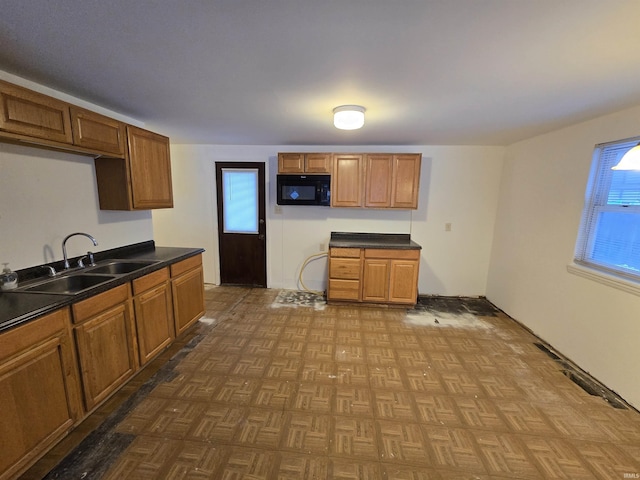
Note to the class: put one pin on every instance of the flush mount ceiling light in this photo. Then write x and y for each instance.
(348, 117)
(630, 160)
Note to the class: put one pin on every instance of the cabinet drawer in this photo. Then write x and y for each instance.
(345, 252)
(392, 253)
(344, 268)
(143, 284)
(98, 303)
(186, 265)
(344, 289)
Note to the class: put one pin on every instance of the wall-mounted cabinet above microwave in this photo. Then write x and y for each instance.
(304, 190)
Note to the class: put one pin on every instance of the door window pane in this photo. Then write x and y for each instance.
(240, 191)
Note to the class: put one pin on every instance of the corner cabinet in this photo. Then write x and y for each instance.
(39, 390)
(140, 181)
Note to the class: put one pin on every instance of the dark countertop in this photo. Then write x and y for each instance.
(19, 307)
(395, 241)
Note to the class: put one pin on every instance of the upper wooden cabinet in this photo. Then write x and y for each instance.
(378, 179)
(25, 112)
(150, 169)
(392, 181)
(133, 166)
(347, 180)
(375, 180)
(95, 131)
(304, 162)
(405, 181)
(142, 180)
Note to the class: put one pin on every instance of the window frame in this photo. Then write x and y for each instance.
(596, 202)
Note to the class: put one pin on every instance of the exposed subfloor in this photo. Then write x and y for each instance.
(279, 385)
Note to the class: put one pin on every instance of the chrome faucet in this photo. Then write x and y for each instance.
(64, 246)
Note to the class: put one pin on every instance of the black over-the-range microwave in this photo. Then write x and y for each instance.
(304, 189)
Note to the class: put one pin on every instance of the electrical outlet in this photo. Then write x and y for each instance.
(278, 210)
(323, 247)
(447, 227)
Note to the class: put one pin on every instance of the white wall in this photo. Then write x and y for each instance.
(46, 195)
(541, 200)
(458, 185)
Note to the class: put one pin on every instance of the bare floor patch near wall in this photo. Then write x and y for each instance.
(455, 312)
(295, 298)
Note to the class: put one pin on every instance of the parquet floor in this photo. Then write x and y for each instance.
(353, 392)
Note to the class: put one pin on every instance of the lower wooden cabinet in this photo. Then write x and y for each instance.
(153, 314)
(187, 286)
(105, 343)
(51, 366)
(39, 390)
(374, 275)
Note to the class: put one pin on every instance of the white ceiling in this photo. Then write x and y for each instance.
(269, 72)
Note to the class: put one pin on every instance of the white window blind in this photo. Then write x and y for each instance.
(240, 200)
(609, 237)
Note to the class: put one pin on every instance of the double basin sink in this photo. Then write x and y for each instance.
(78, 281)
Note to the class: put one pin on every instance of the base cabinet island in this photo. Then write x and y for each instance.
(63, 354)
(374, 268)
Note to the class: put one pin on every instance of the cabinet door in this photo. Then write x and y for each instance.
(154, 321)
(105, 352)
(30, 113)
(406, 181)
(375, 280)
(97, 132)
(38, 390)
(317, 163)
(150, 169)
(378, 175)
(403, 282)
(291, 163)
(346, 181)
(188, 299)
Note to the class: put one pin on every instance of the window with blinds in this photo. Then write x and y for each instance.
(609, 237)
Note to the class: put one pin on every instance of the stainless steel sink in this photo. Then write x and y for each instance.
(69, 285)
(119, 267)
